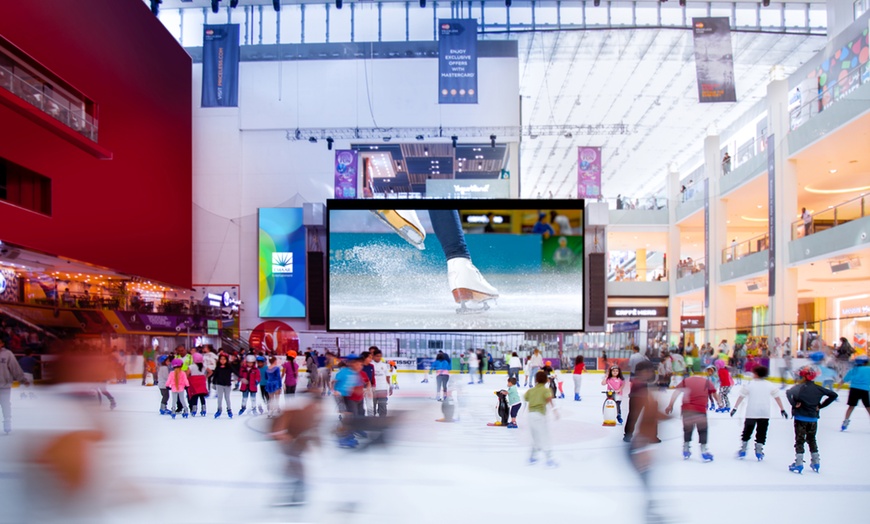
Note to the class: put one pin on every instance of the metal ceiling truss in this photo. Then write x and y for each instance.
(425, 133)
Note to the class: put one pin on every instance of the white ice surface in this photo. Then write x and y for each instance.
(216, 471)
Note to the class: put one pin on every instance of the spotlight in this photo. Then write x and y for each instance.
(155, 6)
(765, 3)
(597, 3)
(329, 142)
(683, 3)
(338, 4)
(422, 3)
(312, 139)
(492, 140)
(214, 6)
(276, 4)
(454, 139)
(234, 3)
(419, 137)
(507, 3)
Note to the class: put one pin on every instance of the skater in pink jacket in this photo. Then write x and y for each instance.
(176, 383)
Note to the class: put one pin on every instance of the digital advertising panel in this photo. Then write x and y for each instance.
(455, 265)
(282, 263)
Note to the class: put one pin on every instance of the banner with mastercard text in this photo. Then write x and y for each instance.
(457, 61)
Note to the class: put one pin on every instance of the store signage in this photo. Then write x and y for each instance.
(691, 322)
(468, 188)
(855, 310)
(637, 312)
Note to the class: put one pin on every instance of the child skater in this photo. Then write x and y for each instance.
(539, 398)
(696, 389)
(273, 387)
(513, 398)
(249, 378)
(806, 401)
(859, 388)
(162, 375)
(725, 385)
(614, 382)
(758, 393)
(176, 382)
(198, 384)
(222, 379)
(579, 368)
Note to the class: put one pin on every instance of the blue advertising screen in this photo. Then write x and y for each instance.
(282, 263)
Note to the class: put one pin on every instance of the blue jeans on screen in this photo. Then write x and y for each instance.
(448, 229)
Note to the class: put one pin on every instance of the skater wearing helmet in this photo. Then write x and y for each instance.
(859, 387)
(806, 401)
(176, 382)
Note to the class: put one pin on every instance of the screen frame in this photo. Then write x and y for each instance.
(458, 203)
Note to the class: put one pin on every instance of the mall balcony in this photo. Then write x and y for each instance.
(745, 259)
(691, 275)
(839, 230)
(628, 211)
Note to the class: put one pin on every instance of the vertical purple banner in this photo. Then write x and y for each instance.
(588, 172)
(771, 216)
(346, 173)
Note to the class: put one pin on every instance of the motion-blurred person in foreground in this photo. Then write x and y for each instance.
(806, 402)
(641, 445)
(9, 371)
(348, 390)
(295, 430)
(695, 390)
(539, 398)
(637, 394)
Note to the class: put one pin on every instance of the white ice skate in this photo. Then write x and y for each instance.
(469, 286)
(405, 223)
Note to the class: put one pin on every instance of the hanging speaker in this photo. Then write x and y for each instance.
(597, 290)
(316, 289)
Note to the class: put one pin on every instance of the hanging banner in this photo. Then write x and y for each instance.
(588, 172)
(457, 62)
(346, 173)
(220, 65)
(282, 263)
(714, 61)
(771, 216)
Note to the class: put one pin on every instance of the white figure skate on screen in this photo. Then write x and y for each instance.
(404, 222)
(468, 286)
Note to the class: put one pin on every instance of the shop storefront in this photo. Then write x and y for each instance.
(644, 325)
(853, 321)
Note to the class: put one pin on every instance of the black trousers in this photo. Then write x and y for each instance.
(692, 420)
(749, 426)
(805, 432)
(635, 407)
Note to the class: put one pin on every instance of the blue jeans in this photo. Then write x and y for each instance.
(448, 229)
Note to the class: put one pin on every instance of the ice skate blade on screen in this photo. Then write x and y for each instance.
(468, 286)
(405, 223)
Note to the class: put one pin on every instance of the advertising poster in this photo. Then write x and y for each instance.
(457, 61)
(588, 172)
(346, 173)
(282, 263)
(714, 62)
(771, 216)
(220, 65)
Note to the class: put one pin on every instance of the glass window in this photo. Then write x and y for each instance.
(421, 24)
(216, 18)
(521, 17)
(171, 20)
(572, 14)
(771, 16)
(546, 14)
(672, 14)
(193, 20)
(795, 15)
(647, 14)
(365, 25)
(315, 23)
(496, 13)
(747, 15)
(621, 13)
(291, 24)
(393, 22)
(695, 11)
(339, 24)
(270, 25)
(596, 16)
(818, 16)
(721, 9)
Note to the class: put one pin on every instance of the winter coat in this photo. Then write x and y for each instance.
(252, 376)
(806, 400)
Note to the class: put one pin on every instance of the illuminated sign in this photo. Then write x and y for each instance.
(637, 312)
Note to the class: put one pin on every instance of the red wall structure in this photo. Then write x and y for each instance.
(131, 213)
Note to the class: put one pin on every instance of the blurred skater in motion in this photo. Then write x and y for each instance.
(482, 363)
(249, 379)
(579, 368)
(641, 445)
(177, 382)
(859, 388)
(295, 430)
(643, 373)
(222, 379)
(273, 388)
(28, 365)
(694, 412)
(615, 383)
(466, 283)
(539, 399)
(109, 371)
(313, 370)
(348, 390)
(383, 384)
(758, 393)
(473, 363)
(442, 375)
(806, 402)
(10, 372)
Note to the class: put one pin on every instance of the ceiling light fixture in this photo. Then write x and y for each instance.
(835, 191)
(422, 3)
(338, 4)
(753, 219)
(312, 139)
(832, 171)
(454, 139)
(329, 142)
(276, 4)
(214, 6)
(492, 140)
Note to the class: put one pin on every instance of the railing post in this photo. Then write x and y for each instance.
(835, 218)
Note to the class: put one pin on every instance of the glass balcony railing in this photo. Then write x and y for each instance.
(689, 267)
(805, 108)
(832, 217)
(747, 247)
(30, 89)
(649, 203)
(692, 191)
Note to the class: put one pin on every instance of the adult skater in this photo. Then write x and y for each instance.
(636, 358)
(536, 362)
(383, 383)
(466, 283)
(806, 401)
(638, 398)
(9, 371)
(514, 366)
(695, 390)
(859, 388)
(758, 393)
(473, 363)
(441, 366)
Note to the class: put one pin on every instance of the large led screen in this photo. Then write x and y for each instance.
(282, 263)
(454, 265)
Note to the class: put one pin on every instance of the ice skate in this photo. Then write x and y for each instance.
(230, 413)
(183, 415)
(845, 425)
(707, 456)
(533, 461)
(741, 454)
(202, 413)
(576, 397)
(468, 286)
(759, 452)
(686, 451)
(798, 465)
(405, 223)
(814, 462)
(260, 409)
(552, 463)
(619, 419)
(217, 413)
(242, 411)
(348, 442)
(172, 414)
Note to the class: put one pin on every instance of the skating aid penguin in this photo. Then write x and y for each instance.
(608, 410)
